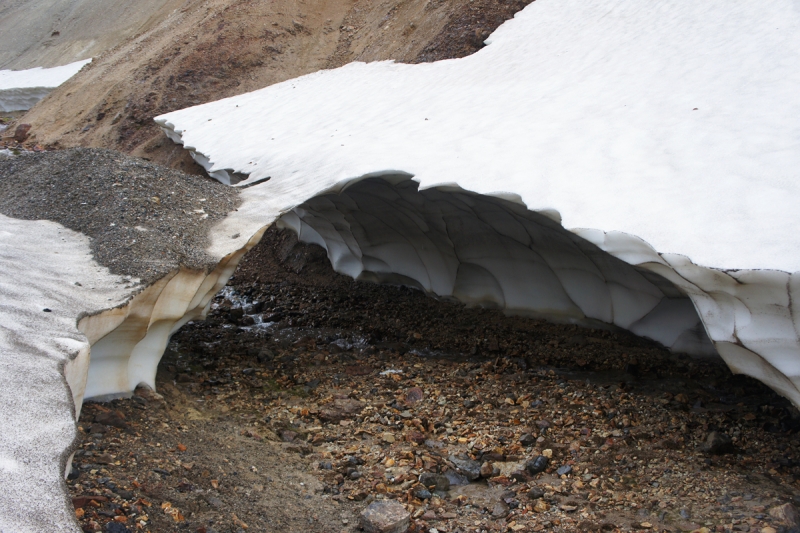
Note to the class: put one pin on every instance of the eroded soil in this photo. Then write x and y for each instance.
(305, 396)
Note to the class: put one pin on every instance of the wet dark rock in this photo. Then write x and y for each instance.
(535, 493)
(564, 470)
(468, 467)
(455, 478)
(421, 492)
(436, 482)
(527, 440)
(116, 527)
(125, 494)
(537, 465)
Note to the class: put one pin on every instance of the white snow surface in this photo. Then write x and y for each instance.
(21, 89)
(674, 121)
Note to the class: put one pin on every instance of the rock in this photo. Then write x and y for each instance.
(421, 492)
(487, 470)
(455, 478)
(541, 506)
(22, 132)
(436, 482)
(519, 475)
(536, 493)
(786, 513)
(564, 470)
(265, 355)
(215, 502)
(718, 444)
(111, 418)
(288, 435)
(499, 510)
(148, 394)
(527, 440)
(416, 437)
(414, 395)
(116, 527)
(125, 494)
(341, 409)
(468, 467)
(82, 501)
(387, 437)
(385, 517)
(537, 465)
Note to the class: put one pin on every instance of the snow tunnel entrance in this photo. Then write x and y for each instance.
(489, 251)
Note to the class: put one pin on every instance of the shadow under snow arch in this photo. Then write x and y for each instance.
(489, 251)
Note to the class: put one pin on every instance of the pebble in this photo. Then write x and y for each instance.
(564, 470)
(500, 510)
(385, 517)
(437, 481)
(536, 493)
(718, 443)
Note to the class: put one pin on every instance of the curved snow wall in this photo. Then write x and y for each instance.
(486, 250)
(126, 343)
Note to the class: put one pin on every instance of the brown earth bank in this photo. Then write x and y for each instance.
(212, 49)
(307, 396)
(49, 33)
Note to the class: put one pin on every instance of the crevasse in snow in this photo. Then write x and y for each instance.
(664, 137)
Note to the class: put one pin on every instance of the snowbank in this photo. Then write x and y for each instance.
(21, 89)
(668, 131)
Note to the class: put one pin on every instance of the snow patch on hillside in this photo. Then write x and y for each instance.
(21, 89)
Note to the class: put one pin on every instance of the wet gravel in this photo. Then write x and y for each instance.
(144, 219)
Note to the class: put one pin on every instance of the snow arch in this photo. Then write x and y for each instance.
(484, 250)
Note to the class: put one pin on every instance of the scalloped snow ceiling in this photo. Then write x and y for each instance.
(665, 137)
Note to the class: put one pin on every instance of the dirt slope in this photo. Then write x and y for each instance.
(211, 49)
(48, 33)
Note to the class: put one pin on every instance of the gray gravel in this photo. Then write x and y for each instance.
(143, 218)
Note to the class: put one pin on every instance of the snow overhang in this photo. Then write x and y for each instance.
(664, 136)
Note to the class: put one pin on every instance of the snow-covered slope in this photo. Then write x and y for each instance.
(21, 89)
(44, 360)
(647, 130)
